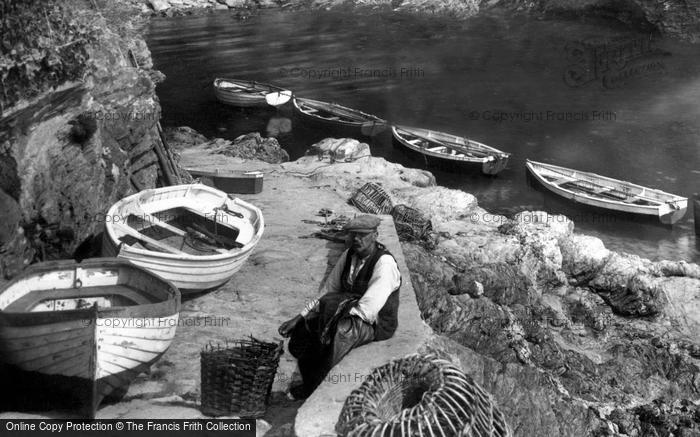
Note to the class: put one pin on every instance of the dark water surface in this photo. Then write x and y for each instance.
(590, 96)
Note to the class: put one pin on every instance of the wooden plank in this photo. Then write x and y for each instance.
(139, 236)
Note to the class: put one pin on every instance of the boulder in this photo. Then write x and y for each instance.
(343, 149)
(159, 5)
(583, 257)
(442, 204)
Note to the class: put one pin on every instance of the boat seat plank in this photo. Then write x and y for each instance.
(165, 225)
(153, 242)
(559, 179)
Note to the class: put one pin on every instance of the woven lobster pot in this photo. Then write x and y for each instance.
(410, 223)
(237, 377)
(372, 199)
(420, 396)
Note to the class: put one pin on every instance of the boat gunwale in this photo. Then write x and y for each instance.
(675, 198)
(230, 254)
(370, 117)
(26, 318)
(247, 82)
(465, 158)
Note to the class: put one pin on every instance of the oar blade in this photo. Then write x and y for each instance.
(278, 98)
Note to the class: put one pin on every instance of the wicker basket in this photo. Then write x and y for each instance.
(410, 223)
(372, 199)
(237, 377)
(420, 395)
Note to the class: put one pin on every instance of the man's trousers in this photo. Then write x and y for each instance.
(316, 359)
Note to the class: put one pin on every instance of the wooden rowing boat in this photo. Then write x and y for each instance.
(442, 148)
(193, 235)
(230, 181)
(332, 114)
(604, 192)
(249, 93)
(79, 332)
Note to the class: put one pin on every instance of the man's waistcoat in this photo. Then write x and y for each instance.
(387, 319)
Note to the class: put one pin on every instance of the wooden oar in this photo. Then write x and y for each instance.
(151, 241)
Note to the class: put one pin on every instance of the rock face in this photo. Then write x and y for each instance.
(677, 18)
(70, 153)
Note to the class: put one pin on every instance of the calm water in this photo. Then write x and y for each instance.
(630, 109)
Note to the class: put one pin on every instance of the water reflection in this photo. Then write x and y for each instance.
(278, 125)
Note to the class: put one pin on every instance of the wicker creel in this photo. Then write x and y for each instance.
(237, 377)
(420, 396)
(410, 223)
(372, 199)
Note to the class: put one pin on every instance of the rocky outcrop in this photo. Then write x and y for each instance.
(676, 18)
(558, 328)
(343, 149)
(249, 146)
(72, 151)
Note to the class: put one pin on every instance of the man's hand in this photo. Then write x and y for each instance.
(285, 328)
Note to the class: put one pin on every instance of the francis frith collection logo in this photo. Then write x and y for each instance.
(612, 61)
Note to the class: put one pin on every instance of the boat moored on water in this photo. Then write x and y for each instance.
(249, 93)
(80, 332)
(193, 235)
(608, 193)
(335, 115)
(441, 148)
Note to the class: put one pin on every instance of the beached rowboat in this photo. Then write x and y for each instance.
(193, 235)
(230, 181)
(332, 114)
(442, 148)
(604, 192)
(79, 332)
(248, 93)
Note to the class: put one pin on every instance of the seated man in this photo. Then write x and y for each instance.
(360, 305)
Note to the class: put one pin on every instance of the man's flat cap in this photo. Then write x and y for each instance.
(363, 223)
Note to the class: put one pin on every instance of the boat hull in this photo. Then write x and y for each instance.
(244, 99)
(447, 162)
(665, 213)
(367, 126)
(191, 274)
(231, 182)
(81, 356)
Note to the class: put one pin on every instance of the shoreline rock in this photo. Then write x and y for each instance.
(675, 19)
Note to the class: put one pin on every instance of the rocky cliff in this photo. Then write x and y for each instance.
(78, 126)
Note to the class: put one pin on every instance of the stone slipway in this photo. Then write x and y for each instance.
(318, 415)
(288, 270)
